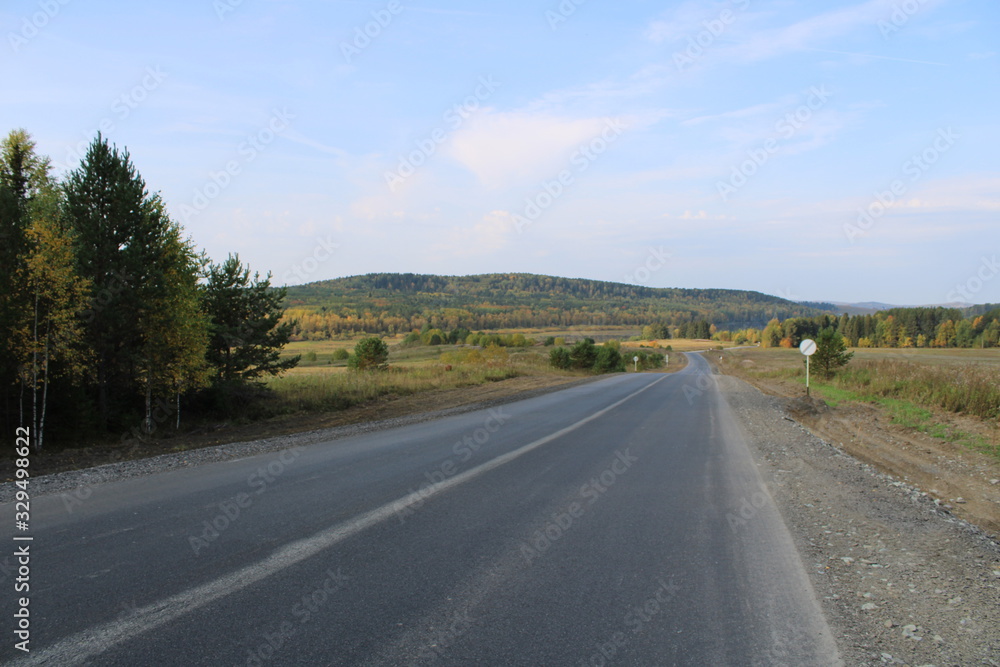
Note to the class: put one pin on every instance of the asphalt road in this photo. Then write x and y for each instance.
(618, 522)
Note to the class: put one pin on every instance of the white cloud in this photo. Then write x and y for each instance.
(504, 149)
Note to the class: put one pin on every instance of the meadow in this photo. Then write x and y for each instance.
(319, 383)
(912, 385)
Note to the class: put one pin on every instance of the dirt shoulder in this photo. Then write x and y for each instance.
(901, 579)
(963, 481)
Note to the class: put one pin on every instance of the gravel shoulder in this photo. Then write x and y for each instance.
(902, 580)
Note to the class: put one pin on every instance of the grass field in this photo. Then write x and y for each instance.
(323, 384)
(910, 385)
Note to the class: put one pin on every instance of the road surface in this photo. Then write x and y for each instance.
(618, 522)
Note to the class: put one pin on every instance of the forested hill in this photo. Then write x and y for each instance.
(393, 302)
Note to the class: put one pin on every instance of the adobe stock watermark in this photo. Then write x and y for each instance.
(454, 117)
(32, 25)
(246, 152)
(321, 253)
(786, 128)
(562, 13)
(901, 14)
(300, 613)
(712, 30)
(702, 383)
(747, 510)
(562, 520)
(370, 31)
(463, 450)
(636, 618)
(223, 7)
(121, 108)
(656, 260)
(585, 155)
(231, 509)
(965, 292)
(914, 168)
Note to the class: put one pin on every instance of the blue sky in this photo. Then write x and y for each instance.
(732, 144)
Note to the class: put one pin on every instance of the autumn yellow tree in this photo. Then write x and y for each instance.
(49, 338)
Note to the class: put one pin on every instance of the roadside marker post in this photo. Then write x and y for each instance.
(808, 348)
(635, 360)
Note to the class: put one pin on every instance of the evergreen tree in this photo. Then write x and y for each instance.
(831, 352)
(119, 233)
(370, 354)
(246, 333)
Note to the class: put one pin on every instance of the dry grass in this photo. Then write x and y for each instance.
(336, 391)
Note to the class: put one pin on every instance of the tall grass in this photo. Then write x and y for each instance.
(968, 389)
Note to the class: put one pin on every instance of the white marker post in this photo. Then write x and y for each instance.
(635, 360)
(808, 348)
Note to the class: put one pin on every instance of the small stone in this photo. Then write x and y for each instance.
(868, 606)
(995, 481)
(955, 600)
(960, 501)
(937, 639)
(888, 623)
(847, 559)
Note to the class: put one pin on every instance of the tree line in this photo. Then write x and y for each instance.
(110, 319)
(399, 303)
(895, 328)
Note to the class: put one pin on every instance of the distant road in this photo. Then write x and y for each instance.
(617, 522)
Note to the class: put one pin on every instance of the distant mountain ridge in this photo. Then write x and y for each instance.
(397, 301)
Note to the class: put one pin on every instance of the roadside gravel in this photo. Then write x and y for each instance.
(901, 580)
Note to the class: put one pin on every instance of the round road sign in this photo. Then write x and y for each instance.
(808, 347)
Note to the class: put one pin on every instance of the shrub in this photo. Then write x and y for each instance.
(608, 360)
(583, 354)
(559, 358)
(340, 354)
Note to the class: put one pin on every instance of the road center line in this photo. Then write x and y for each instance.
(94, 641)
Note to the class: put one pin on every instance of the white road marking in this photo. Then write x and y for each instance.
(94, 641)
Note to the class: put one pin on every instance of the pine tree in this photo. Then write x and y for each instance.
(831, 352)
(245, 324)
(123, 241)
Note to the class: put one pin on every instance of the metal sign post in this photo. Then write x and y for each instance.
(635, 360)
(808, 348)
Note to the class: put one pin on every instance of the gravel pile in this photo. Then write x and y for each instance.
(901, 580)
